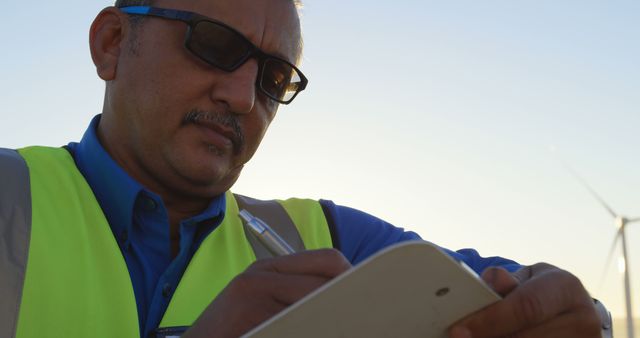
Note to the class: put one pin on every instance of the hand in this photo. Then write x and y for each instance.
(265, 288)
(539, 301)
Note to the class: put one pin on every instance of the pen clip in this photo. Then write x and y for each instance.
(256, 224)
(267, 236)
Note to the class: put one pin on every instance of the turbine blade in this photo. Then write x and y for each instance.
(588, 187)
(632, 220)
(612, 250)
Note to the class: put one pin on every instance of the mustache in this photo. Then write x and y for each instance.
(224, 119)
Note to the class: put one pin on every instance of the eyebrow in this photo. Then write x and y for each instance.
(279, 55)
(297, 55)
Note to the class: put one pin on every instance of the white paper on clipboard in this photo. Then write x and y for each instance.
(412, 289)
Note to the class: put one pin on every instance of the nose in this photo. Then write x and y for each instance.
(237, 89)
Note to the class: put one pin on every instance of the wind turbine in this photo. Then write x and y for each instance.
(621, 222)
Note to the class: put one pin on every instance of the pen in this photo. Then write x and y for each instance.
(269, 238)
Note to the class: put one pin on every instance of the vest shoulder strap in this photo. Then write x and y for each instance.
(15, 232)
(273, 214)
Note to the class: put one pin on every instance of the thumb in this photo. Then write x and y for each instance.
(500, 280)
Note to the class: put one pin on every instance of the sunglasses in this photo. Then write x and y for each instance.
(225, 48)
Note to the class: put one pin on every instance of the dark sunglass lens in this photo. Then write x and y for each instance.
(280, 80)
(218, 45)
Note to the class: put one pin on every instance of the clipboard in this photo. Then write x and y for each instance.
(408, 290)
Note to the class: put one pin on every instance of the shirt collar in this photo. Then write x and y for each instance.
(114, 189)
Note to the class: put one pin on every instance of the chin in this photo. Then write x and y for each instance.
(213, 180)
(204, 172)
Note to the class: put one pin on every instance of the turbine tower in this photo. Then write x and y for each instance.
(621, 223)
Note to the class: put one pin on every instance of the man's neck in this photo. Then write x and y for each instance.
(179, 212)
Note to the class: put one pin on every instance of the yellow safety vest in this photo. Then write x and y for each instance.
(77, 283)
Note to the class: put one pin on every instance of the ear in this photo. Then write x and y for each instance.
(106, 39)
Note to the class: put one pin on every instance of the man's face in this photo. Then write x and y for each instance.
(159, 84)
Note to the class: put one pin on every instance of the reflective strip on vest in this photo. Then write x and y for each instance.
(77, 283)
(15, 230)
(276, 217)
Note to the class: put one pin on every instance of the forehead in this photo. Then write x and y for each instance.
(272, 25)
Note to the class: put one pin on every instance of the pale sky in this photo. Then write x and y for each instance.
(436, 116)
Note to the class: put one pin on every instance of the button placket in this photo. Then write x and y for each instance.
(166, 290)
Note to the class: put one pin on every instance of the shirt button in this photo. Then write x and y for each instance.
(166, 290)
(124, 241)
(150, 204)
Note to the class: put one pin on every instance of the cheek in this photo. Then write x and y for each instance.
(256, 128)
(155, 127)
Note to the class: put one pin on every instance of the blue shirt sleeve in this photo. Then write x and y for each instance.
(359, 235)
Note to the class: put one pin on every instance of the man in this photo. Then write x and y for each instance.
(191, 88)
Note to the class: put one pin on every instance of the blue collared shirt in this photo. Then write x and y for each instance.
(140, 224)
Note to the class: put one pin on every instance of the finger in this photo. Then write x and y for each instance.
(537, 300)
(261, 311)
(288, 289)
(284, 289)
(582, 324)
(325, 262)
(527, 272)
(251, 298)
(213, 324)
(500, 280)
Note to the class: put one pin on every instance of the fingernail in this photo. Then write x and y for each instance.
(460, 332)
